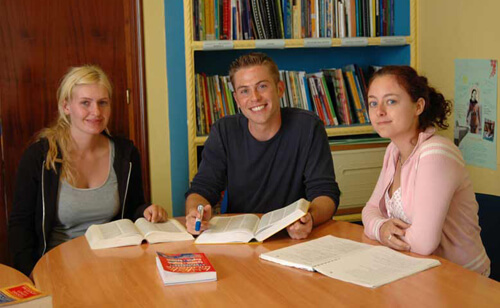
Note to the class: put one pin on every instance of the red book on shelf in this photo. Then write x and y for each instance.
(185, 268)
(208, 117)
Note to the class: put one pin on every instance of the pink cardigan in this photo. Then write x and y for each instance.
(438, 199)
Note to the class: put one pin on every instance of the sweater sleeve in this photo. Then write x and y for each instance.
(211, 178)
(22, 233)
(371, 215)
(319, 171)
(440, 171)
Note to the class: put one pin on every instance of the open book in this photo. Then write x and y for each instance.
(124, 232)
(243, 228)
(346, 260)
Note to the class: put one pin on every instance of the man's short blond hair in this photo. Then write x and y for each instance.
(254, 59)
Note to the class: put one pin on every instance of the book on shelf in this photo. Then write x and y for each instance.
(184, 268)
(245, 227)
(124, 232)
(24, 295)
(364, 139)
(338, 96)
(350, 261)
(357, 100)
(277, 19)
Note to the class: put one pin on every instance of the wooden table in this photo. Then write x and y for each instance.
(10, 276)
(75, 275)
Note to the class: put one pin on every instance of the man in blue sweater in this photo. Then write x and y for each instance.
(266, 157)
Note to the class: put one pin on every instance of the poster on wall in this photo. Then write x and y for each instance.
(476, 111)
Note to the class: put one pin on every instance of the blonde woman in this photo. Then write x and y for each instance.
(75, 174)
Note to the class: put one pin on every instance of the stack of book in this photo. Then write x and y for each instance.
(291, 19)
(338, 96)
(214, 100)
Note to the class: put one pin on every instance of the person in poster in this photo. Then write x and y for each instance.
(474, 113)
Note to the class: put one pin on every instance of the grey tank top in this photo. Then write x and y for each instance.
(79, 208)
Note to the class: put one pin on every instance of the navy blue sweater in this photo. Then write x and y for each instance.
(264, 176)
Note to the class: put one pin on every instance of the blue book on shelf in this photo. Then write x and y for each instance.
(308, 95)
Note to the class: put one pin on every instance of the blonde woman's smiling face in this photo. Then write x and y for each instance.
(89, 109)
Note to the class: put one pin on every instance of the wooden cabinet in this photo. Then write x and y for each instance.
(357, 172)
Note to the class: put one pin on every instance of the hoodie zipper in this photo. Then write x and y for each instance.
(126, 189)
(43, 209)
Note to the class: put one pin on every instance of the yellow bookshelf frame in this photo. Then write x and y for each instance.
(191, 46)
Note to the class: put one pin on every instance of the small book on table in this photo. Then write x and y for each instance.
(184, 268)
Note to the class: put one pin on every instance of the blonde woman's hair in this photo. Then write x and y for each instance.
(58, 134)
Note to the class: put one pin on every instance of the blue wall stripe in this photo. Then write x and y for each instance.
(176, 72)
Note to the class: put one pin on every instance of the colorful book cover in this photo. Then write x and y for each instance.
(185, 268)
(24, 292)
(185, 263)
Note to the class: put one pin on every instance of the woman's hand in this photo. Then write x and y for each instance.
(155, 213)
(391, 232)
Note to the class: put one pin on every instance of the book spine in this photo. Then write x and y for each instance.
(196, 27)
(392, 17)
(356, 99)
(361, 98)
(343, 97)
(307, 93)
(297, 24)
(216, 20)
(280, 19)
(324, 102)
(372, 18)
(303, 97)
(199, 129)
(289, 88)
(315, 99)
(208, 122)
(329, 100)
(220, 100)
(351, 106)
(366, 17)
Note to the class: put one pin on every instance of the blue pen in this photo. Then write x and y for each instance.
(198, 220)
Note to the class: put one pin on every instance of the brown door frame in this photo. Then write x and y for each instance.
(136, 80)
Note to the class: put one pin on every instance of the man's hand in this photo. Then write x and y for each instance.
(155, 213)
(191, 219)
(391, 232)
(301, 228)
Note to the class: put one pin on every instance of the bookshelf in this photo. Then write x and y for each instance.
(214, 58)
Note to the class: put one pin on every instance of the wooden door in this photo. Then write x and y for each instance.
(39, 41)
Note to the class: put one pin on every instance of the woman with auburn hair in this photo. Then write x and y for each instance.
(423, 201)
(76, 174)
